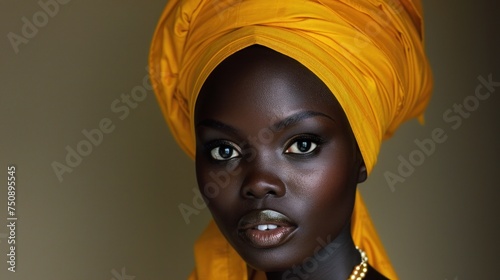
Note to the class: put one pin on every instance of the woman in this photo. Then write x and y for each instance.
(284, 106)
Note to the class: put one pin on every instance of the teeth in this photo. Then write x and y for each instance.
(266, 227)
(272, 226)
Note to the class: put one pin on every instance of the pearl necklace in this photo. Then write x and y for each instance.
(360, 270)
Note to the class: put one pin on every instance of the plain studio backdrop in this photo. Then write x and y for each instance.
(74, 96)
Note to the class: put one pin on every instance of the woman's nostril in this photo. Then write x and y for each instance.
(259, 190)
(249, 194)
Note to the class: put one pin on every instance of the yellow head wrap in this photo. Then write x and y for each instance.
(369, 53)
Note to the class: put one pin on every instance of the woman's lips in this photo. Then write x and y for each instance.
(265, 228)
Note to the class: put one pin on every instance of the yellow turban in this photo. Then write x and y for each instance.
(369, 53)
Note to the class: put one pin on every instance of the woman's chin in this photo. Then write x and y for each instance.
(271, 267)
(269, 261)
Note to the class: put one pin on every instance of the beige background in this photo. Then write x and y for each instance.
(118, 208)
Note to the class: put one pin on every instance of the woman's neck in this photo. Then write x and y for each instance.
(334, 261)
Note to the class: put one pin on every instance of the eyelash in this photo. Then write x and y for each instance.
(314, 141)
(214, 152)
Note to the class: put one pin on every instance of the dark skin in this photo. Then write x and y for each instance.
(278, 165)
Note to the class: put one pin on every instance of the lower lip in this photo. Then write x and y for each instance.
(267, 238)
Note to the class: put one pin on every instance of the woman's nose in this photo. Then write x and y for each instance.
(262, 181)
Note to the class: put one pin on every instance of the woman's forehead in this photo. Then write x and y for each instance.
(260, 79)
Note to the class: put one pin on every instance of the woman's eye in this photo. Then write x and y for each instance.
(303, 146)
(224, 152)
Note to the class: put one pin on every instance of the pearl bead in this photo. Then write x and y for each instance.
(361, 268)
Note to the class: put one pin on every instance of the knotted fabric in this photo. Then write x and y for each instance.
(369, 53)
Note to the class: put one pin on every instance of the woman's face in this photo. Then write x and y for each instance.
(276, 159)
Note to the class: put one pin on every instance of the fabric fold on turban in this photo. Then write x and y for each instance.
(369, 53)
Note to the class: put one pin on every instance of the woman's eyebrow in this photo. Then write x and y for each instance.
(217, 125)
(295, 118)
(279, 125)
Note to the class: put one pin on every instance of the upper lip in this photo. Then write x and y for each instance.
(266, 216)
